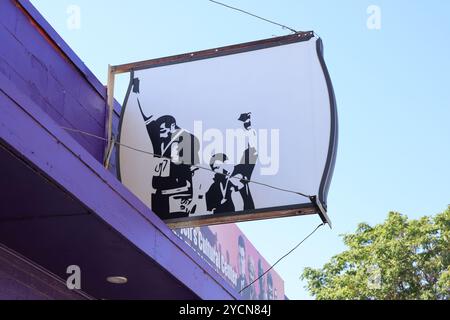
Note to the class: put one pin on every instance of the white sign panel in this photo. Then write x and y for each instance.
(239, 133)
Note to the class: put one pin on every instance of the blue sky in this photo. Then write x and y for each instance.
(392, 88)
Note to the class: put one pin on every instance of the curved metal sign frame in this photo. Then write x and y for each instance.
(315, 203)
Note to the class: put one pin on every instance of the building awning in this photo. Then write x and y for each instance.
(60, 207)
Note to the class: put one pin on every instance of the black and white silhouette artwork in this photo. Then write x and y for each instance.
(220, 136)
(176, 162)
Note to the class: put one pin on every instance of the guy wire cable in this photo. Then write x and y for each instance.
(193, 165)
(283, 257)
(254, 15)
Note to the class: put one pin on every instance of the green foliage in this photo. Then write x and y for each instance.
(399, 259)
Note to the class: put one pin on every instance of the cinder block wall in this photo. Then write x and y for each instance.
(38, 62)
(34, 61)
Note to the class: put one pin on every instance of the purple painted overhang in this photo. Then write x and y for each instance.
(60, 207)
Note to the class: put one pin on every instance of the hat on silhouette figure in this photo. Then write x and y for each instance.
(245, 117)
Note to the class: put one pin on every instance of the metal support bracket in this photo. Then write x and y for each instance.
(322, 211)
(109, 116)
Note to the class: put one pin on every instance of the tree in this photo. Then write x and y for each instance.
(398, 259)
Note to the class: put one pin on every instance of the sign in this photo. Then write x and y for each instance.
(233, 256)
(238, 133)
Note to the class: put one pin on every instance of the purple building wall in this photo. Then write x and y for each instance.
(59, 206)
(31, 59)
